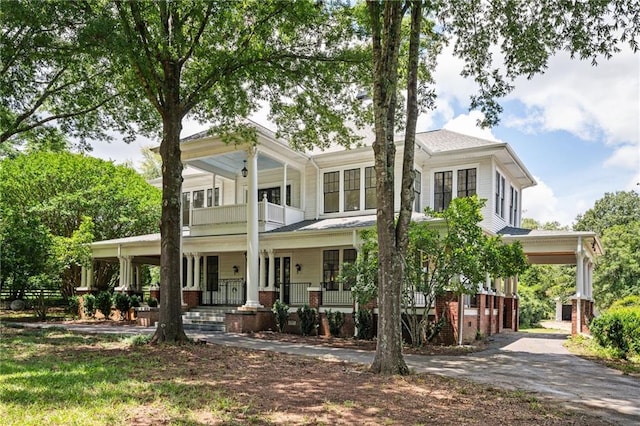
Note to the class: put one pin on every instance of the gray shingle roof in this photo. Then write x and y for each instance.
(446, 140)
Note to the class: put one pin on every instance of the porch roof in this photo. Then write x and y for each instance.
(553, 246)
(350, 222)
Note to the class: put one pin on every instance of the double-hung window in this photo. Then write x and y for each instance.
(332, 192)
(466, 182)
(500, 183)
(213, 197)
(443, 184)
(513, 207)
(330, 269)
(370, 200)
(417, 191)
(351, 190)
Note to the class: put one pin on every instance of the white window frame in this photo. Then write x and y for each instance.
(341, 171)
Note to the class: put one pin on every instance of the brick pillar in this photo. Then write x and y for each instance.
(447, 306)
(516, 314)
(508, 312)
(315, 298)
(482, 318)
(267, 298)
(191, 298)
(155, 293)
(491, 318)
(500, 318)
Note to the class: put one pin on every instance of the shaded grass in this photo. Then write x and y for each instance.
(588, 348)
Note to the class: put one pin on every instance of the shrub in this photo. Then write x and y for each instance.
(532, 309)
(152, 302)
(89, 302)
(135, 301)
(281, 311)
(626, 302)
(73, 306)
(104, 302)
(123, 303)
(363, 319)
(336, 321)
(308, 320)
(619, 330)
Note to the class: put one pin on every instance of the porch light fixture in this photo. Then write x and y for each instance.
(244, 170)
(298, 267)
(235, 269)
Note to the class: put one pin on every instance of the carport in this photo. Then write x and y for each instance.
(578, 248)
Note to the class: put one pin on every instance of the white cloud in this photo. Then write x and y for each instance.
(625, 157)
(468, 124)
(598, 103)
(540, 203)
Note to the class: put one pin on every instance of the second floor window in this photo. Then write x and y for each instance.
(443, 187)
(198, 199)
(466, 182)
(186, 207)
(500, 194)
(332, 192)
(351, 190)
(370, 200)
(417, 191)
(213, 197)
(513, 207)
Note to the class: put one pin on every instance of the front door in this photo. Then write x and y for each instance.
(211, 288)
(282, 272)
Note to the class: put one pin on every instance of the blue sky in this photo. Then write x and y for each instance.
(576, 128)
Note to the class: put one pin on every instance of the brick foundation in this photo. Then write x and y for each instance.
(249, 321)
(447, 307)
(267, 298)
(191, 298)
(508, 312)
(347, 329)
(500, 316)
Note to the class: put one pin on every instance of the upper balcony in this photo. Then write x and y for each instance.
(233, 218)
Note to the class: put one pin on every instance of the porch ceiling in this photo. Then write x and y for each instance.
(230, 164)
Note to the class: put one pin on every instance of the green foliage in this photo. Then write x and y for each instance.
(73, 306)
(54, 203)
(617, 272)
(533, 309)
(122, 302)
(626, 302)
(152, 302)
(89, 302)
(363, 319)
(619, 330)
(618, 208)
(281, 312)
(135, 301)
(363, 273)
(336, 321)
(104, 302)
(308, 318)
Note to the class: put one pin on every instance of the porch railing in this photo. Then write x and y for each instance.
(298, 294)
(237, 213)
(229, 292)
(337, 297)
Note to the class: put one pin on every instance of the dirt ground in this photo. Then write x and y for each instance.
(270, 388)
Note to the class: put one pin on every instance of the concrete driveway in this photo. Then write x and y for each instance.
(531, 362)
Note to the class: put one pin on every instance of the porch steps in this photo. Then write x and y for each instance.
(206, 318)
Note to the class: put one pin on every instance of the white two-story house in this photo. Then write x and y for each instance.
(265, 222)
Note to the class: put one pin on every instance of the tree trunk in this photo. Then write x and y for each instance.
(386, 44)
(170, 328)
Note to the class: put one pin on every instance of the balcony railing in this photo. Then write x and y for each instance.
(237, 213)
(334, 294)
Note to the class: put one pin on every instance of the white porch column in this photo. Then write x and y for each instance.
(271, 283)
(137, 279)
(90, 276)
(122, 272)
(283, 191)
(189, 282)
(129, 263)
(252, 231)
(263, 268)
(83, 276)
(579, 274)
(196, 271)
(590, 279)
